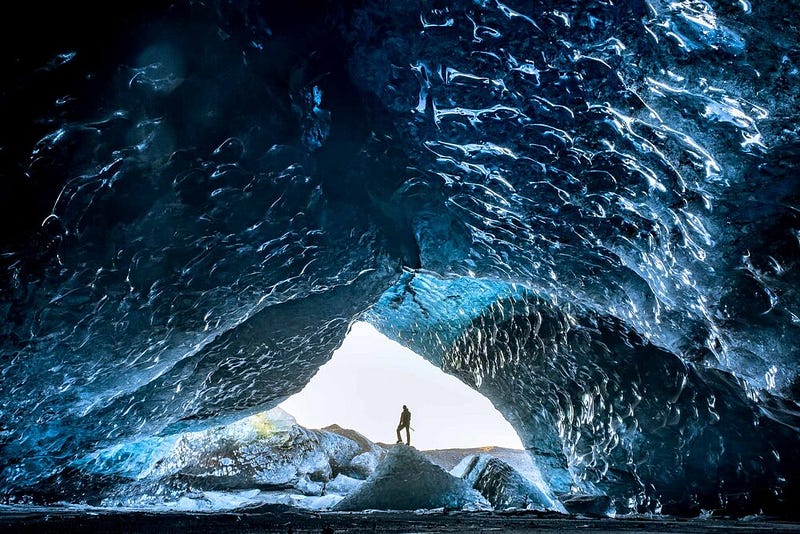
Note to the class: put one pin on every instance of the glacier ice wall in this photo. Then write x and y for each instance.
(585, 210)
(603, 410)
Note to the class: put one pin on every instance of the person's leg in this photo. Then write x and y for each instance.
(408, 435)
(399, 439)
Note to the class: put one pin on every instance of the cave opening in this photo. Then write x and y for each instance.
(370, 377)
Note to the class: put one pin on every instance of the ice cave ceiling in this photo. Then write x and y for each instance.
(587, 210)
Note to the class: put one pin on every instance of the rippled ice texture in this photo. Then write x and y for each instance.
(585, 210)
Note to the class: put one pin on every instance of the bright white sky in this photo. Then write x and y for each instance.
(366, 383)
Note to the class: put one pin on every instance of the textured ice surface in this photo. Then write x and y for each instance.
(343, 484)
(588, 211)
(216, 501)
(407, 480)
(267, 452)
(366, 459)
(502, 485)
(597, 397)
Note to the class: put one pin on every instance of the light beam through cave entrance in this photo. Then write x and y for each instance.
(370, 378)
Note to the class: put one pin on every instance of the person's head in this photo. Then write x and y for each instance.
(404, 407)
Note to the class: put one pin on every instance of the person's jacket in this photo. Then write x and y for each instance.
(405, 417)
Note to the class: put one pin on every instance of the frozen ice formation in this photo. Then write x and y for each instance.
(407, 480)
(503, 486)
(588, 211)
(366, 459)
(268, 452)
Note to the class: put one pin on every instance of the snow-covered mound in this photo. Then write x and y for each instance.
(407, 480)
(503, 486)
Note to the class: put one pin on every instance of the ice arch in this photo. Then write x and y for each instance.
(369, 377)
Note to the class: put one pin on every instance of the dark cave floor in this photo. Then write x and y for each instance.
(296, 521)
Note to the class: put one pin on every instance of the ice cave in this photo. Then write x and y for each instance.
(586, 210)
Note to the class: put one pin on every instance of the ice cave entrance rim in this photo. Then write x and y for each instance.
(369, 379)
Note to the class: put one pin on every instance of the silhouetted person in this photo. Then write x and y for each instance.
(405, 422)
